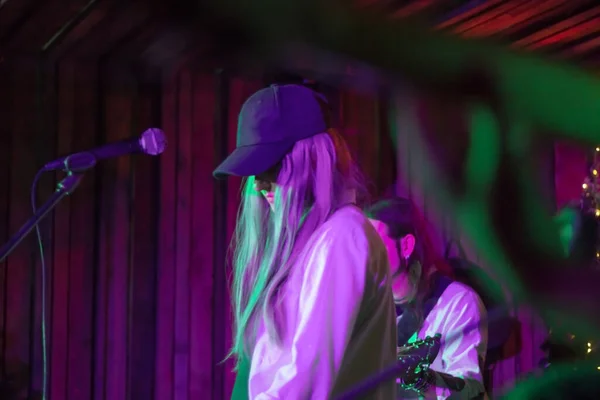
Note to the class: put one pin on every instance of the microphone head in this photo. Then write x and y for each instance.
(153, 141)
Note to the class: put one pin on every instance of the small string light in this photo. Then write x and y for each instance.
(589, 348)
(590, 202)
(590, 196)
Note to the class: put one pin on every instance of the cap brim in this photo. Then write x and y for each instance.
(252, 160)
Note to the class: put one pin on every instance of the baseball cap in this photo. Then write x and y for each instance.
(271, 121)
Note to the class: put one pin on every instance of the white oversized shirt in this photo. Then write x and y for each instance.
(459, 316)
(339, 325)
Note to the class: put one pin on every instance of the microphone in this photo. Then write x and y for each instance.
(151, 142)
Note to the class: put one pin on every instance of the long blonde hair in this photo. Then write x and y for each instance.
(316, 177)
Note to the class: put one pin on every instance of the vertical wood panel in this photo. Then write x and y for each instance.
(117, 189)
(403, 120)
(220, 304)
(363, 123)
(166, 247)
(142, 336)
(82, 243)
(385, 162)
(571, 169)
(201, 281)
(24, 98)
(5, 151)
(20, 264)
(101, 267)
(45, 139)
(237, 95)
(182, 233)
(349, 122)
(360, 128)
(59, 335)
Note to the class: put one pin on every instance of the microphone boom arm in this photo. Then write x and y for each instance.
(64, 188)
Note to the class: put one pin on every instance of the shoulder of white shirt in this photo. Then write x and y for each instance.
(457, 290)
(346, 217)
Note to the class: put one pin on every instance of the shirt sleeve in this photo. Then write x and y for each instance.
(464, 354)
(330, 295)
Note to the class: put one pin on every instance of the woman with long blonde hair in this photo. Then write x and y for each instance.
(313, 307)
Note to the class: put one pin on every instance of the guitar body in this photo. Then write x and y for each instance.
(412, 360)
(417, 357)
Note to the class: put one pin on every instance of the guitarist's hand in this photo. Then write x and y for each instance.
(403, 350)
(417, 376)
(409, 375)
(416, 359)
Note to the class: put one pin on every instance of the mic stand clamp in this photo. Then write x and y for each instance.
(64, 188)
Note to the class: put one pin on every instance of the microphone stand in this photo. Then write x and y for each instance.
(64, 188)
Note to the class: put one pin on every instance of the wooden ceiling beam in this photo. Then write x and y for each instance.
(414, 7)
(551, 16)
(45, 21)
(572, 34)
(506, 7)
(556, 28)
(524, 12)
(121, 23)
(93, 15)
(582, 48)
(472, 11)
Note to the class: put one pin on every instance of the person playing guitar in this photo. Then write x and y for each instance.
(429, 303)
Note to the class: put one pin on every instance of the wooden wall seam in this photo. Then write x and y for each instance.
(220, 300)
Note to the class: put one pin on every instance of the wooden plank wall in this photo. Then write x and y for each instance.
(137, 301)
